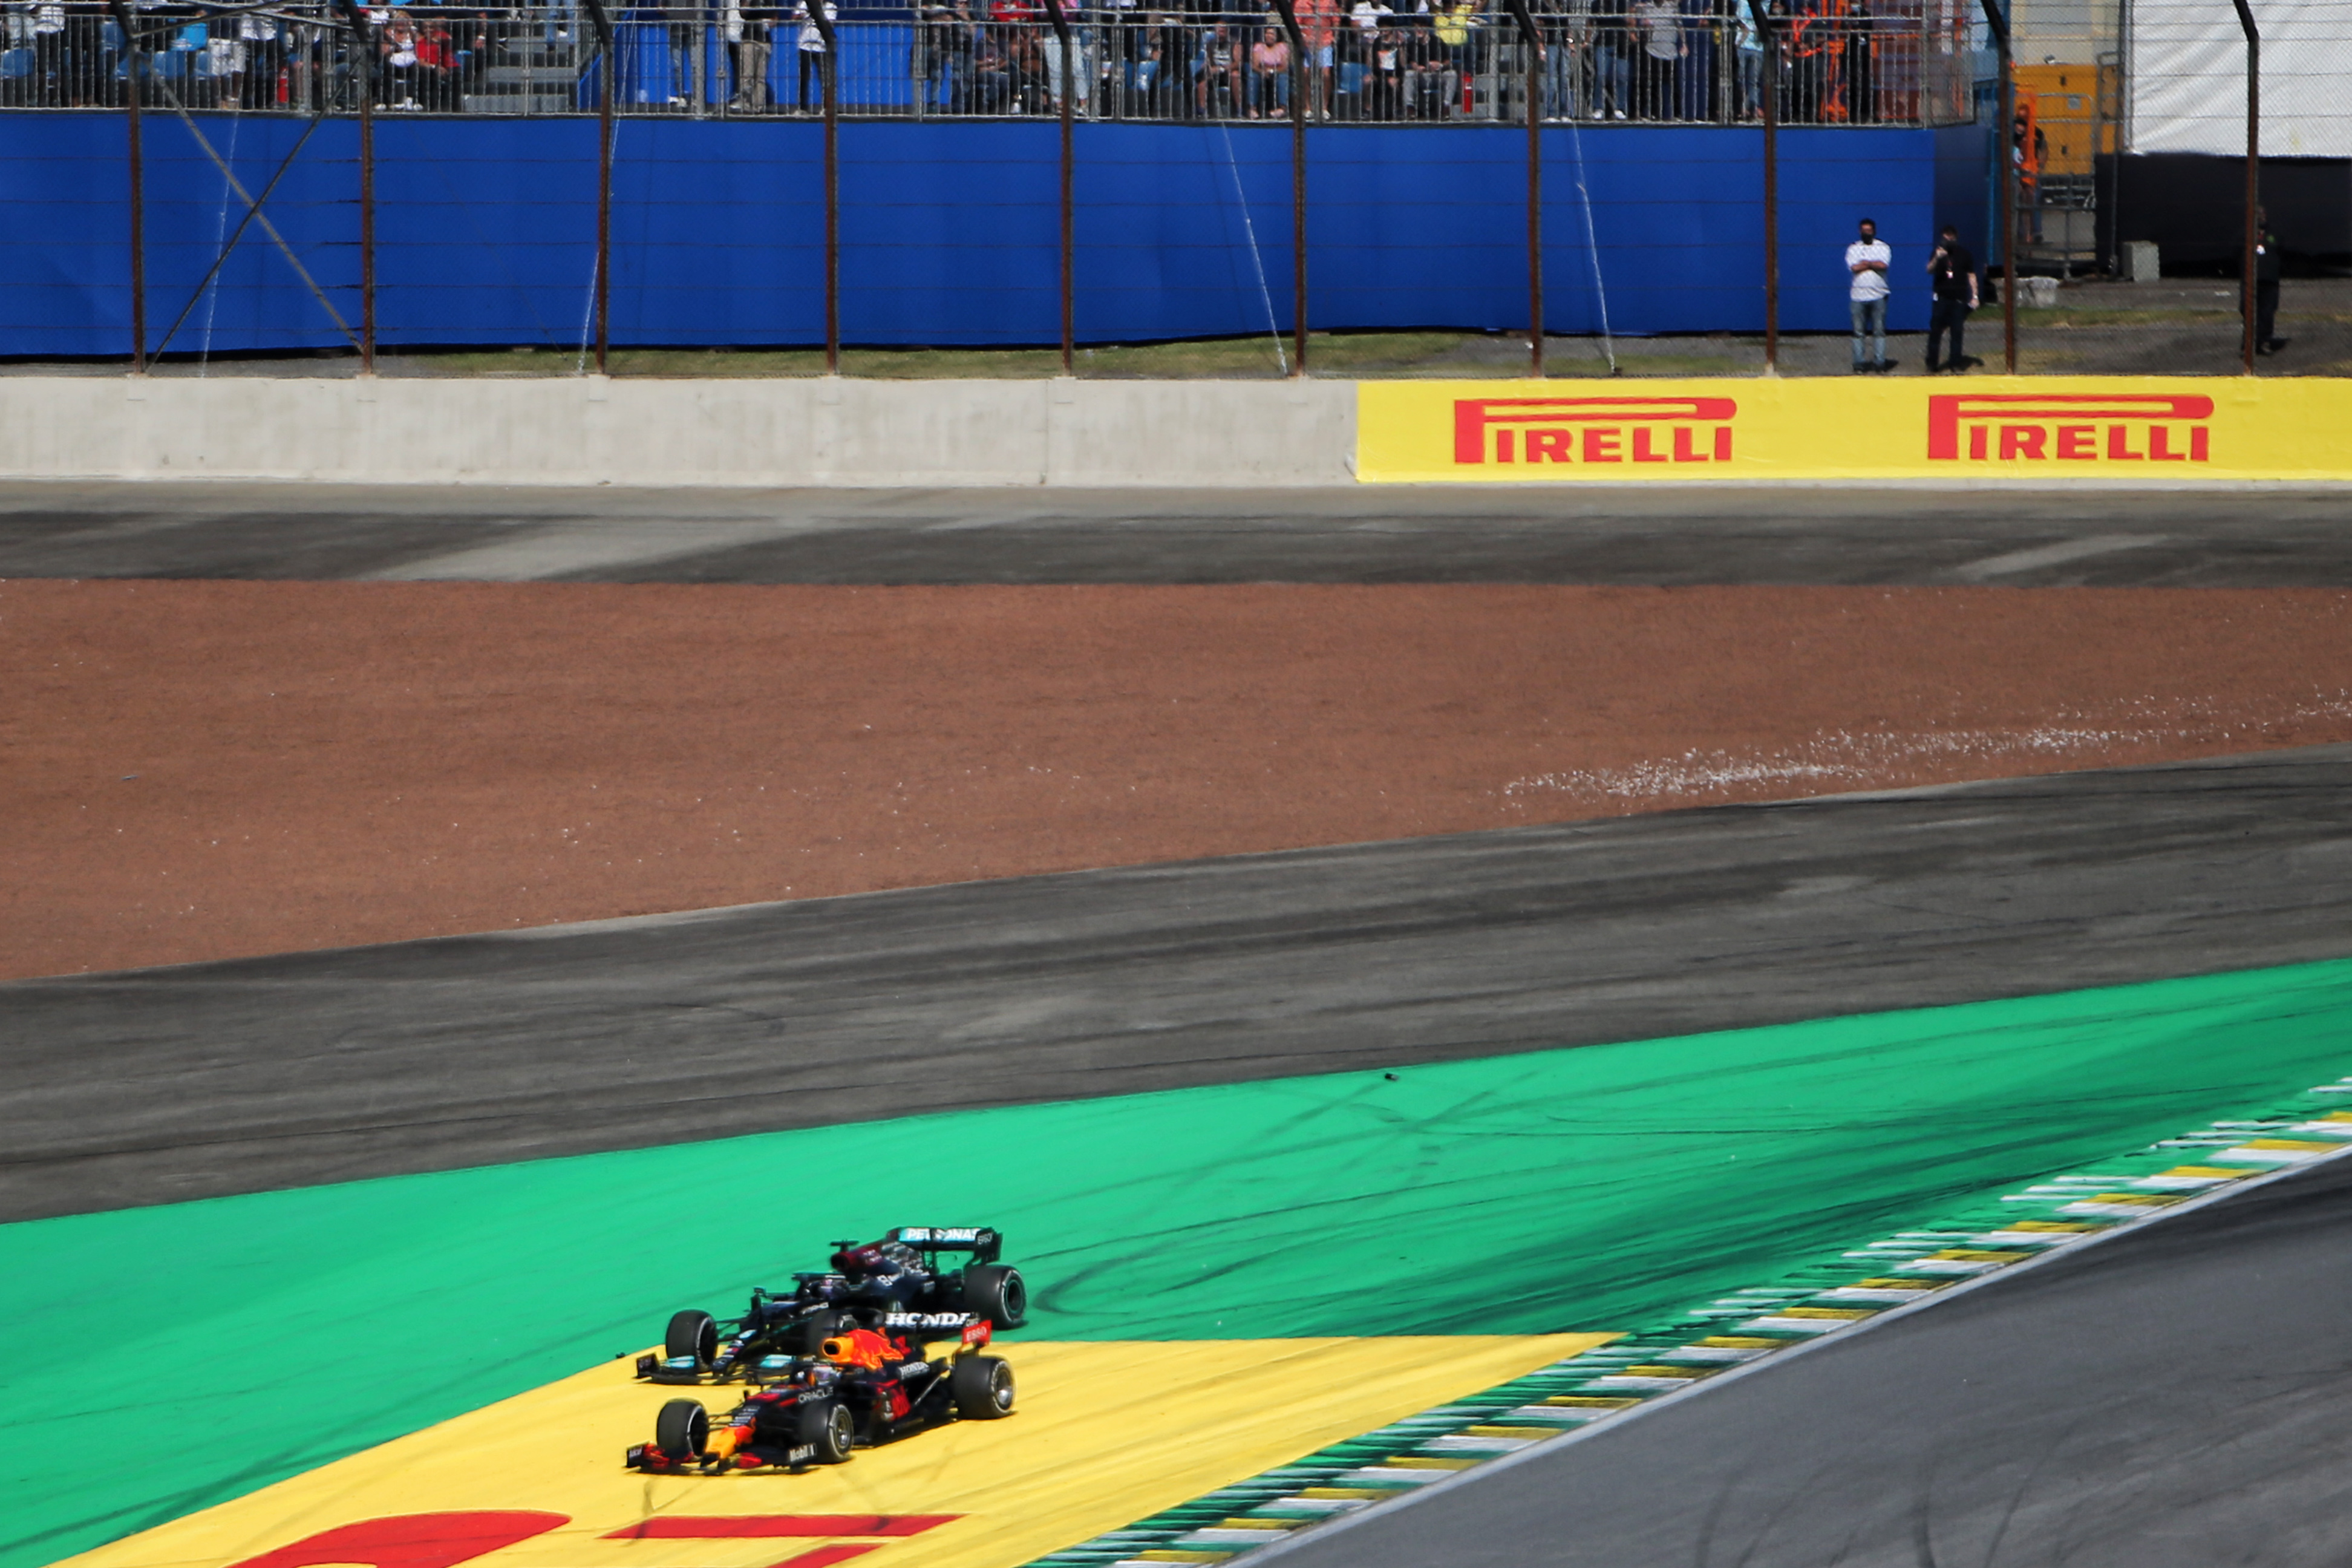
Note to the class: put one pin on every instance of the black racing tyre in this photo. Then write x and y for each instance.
(982, 1386)
(994, 1291)
(830, 1430)
(682, 1430)
(694, 1334)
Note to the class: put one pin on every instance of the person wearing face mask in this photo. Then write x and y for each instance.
(1867, 261)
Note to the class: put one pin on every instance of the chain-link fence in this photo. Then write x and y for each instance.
(1465, 187)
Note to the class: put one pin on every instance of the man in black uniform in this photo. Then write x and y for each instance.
(1953, 272)
(2266, 286)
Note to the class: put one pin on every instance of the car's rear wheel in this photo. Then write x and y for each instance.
(819, 1326)
(682, 1430)
(692, 1333)
(831, 1431)
(982, 1386)
(994, 1291)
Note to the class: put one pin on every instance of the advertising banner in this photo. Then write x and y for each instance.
(2188, 90)
(2045, 430)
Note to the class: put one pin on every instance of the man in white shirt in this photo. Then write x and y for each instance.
(1867, 261)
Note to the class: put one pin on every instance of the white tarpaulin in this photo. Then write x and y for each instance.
(2185, 64)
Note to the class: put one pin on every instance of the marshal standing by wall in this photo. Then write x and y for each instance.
(1952, 276)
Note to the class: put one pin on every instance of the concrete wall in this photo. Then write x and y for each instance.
(589, 431)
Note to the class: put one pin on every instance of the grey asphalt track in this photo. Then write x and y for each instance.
(178, 1083)
(2236, 538)
(2172, 1399)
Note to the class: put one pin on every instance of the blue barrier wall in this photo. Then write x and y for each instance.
(486, 230)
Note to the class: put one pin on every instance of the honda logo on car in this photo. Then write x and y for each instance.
(2108, 427)
(1541, 430)
(929, 1320)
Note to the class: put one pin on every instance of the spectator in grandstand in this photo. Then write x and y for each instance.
(1385, 91)
(51, 77)
(1424, 69)
(1750, 45)
(1216, 74)
(1269, 73)
(1611, 53)
(750, 46)
(1048, 44)
(1562, 23)
(685, 20)
(810, 46)
(1867, 261)
(396, 63)
(1318, 24)
(1148, 66)
(1861, 84)
(1695, 74)
(260, 53)
(943, 55)
(2267, 269)
(1453, 23)
(992, 73)
(1027, 61)
(1658, 25)
(1952, 277)
(436, 65)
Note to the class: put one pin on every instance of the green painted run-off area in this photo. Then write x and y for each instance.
(1575, 1189)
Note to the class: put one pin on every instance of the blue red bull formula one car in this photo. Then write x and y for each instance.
(906, 1283)
(862, 1388)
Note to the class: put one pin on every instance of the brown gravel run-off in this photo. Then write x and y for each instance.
(319, 765)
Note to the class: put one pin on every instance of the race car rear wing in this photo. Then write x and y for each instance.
(982, 1243)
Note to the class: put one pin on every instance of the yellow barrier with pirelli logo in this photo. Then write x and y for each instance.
(2044, 429)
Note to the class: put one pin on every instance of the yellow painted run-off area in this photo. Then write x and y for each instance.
(1102, 1434)
(2046, 429)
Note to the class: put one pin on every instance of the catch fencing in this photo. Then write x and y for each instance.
(1616, 187)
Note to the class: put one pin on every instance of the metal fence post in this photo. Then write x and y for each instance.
(1288, 11)
(138, 191)
(2006, 154)
(363, 79)
(1533, 38)
(1061, 22)
(1768, 85)
(820, 12)
(608, 84)
(2254, 170)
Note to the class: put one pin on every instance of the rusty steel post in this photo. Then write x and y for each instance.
(1532, 37)
(608, 83)
(1288, 11)
(829, 77)
(363, 81)
(1999, 23)
(1768, 84)
(2254, 170)
(1061, 23)
(138, 191)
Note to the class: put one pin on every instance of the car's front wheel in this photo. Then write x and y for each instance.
(682, 1430)
(692, 1333)
(982, 1387)
(831, 1431)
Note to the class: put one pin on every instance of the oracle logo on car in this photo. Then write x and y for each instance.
(2069, 427)
(1593, 430)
